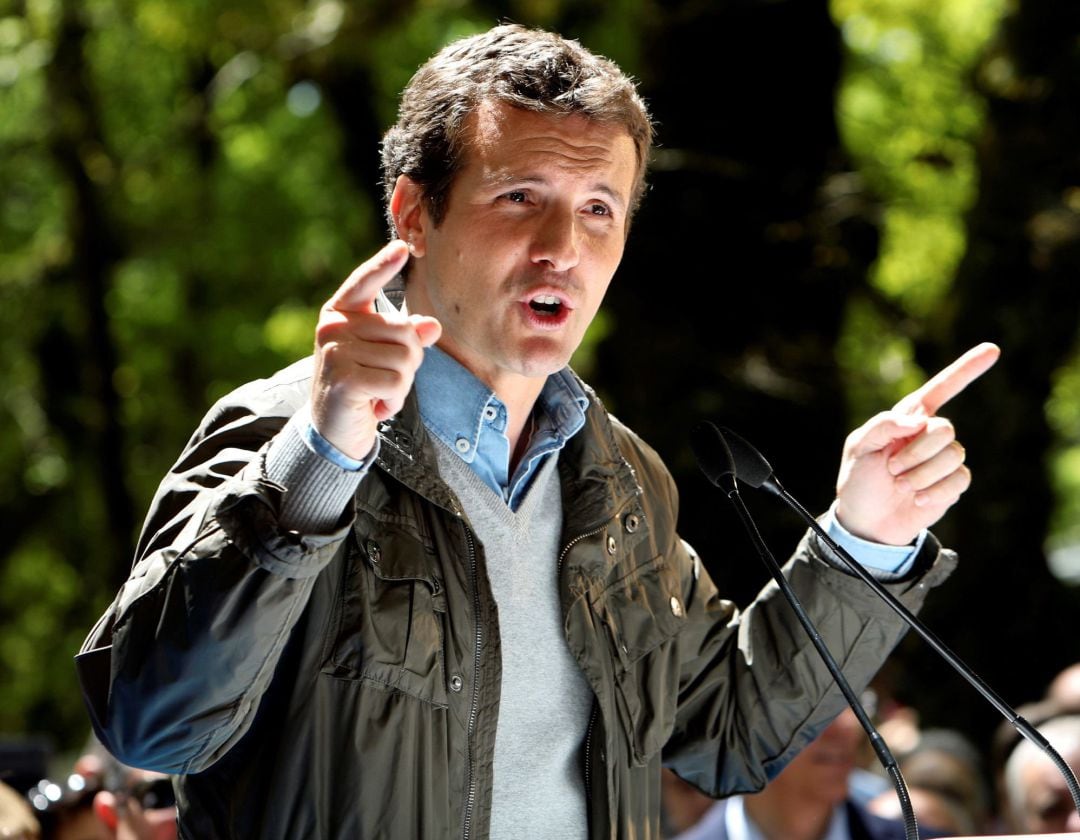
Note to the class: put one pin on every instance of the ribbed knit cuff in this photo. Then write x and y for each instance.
(317, 491)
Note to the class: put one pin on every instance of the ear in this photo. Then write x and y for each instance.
(106, 810)
(409, 211)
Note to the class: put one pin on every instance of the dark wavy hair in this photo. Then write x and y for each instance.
(525, 68)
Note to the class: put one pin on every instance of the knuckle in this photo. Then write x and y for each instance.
(329, 351)
(398, 380)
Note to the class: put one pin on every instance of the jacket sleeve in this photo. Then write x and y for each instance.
(752, 688)
(173, 672)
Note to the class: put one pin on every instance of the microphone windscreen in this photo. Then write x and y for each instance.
(750, 465)
(711, 452)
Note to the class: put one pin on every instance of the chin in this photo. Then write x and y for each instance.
(535, 362)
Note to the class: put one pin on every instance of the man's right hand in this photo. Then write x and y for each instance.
(365, 361)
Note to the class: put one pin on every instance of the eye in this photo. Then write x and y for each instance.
(598, 209)
(516, 197)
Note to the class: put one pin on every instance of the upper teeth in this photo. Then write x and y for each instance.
(547, 300)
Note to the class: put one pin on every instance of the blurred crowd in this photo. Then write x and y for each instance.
(97, 798)
(834, 789)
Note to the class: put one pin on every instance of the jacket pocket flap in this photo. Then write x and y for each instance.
(641, 609)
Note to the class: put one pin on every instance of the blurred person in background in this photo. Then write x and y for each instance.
(1064, 688)
(144, 808)
(1036, 797)
(931, 808)
(132, 804)
(682, 804)
(17, 821)
(102, 799)
(65, 807)
(809, 800)
(945, 774)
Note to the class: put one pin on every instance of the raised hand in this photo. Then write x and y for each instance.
(903, 468)
(365, 361)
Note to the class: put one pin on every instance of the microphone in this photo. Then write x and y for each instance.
(751, 468)
(715, 460)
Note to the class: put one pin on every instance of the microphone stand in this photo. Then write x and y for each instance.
(723, 477)
(769, 482)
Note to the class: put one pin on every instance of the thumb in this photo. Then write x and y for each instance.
(428, 329)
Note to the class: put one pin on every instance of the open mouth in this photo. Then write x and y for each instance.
(546, 305)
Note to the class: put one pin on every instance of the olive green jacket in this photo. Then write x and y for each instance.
(346, 685)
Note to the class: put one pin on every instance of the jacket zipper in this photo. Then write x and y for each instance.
(571, 544)
(470, 799)
(588, 754)
(592, 716)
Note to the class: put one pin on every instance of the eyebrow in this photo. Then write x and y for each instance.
(539, 180)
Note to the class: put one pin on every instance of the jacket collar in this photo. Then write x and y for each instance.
(592, 470)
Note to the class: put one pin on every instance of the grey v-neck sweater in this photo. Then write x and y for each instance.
(539, 790)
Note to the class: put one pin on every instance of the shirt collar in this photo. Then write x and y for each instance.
(453, 401)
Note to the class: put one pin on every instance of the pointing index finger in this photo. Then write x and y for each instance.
(363, 284)
(950, 381)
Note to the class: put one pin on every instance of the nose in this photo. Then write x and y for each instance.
(555, 243)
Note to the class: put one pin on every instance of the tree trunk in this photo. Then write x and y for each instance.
(731, 297)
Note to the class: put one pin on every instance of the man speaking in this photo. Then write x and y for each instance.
(422, 585)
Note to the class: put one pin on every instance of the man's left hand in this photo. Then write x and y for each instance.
(904, 468)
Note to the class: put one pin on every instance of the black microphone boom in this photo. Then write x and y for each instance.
(752, 469)
(715, 459)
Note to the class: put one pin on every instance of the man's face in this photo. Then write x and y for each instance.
(1047, 805)
(822, 769)
(534, 229)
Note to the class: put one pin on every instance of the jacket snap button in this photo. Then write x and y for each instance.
(456, 683)
(611, 545)
(374, 553)
(676, 607)
(631, 523)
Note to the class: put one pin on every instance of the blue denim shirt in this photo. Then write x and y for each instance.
(466, 415)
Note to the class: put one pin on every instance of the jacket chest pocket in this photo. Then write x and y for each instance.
(392, 609)
(641, 613)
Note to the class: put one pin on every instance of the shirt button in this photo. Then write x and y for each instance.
(462, 445)
(490, 413)
(611, 545)
(676, 607)
(456, 682)
(631, 523)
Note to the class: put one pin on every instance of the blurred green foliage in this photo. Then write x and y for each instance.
(910, 117)
(227, 214)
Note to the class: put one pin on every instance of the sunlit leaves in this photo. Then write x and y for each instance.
(910, 116)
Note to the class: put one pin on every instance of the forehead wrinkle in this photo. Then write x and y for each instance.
(487, 131)
(551, 148)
